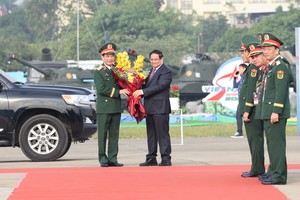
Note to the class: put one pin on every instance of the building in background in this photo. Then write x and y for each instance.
(240, 13)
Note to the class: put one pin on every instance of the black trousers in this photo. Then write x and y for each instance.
(158, 134)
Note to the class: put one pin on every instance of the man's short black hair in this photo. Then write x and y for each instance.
(156, 52)
(243, 65)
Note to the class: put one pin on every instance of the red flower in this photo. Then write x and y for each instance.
(174, 91)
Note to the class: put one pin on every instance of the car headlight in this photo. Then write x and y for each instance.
(79, 99)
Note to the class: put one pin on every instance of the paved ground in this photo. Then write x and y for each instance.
(193, 152)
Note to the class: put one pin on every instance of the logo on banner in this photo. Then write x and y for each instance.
(222, 89)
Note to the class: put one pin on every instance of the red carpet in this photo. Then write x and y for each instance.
(142, 183)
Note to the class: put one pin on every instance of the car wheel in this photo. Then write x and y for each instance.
(43, 138)
(68, 147)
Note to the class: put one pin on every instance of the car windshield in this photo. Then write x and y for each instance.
(11, 79)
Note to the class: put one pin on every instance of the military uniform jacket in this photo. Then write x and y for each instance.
(275, 97)
(243, 92)
(253, 74)
(108, 92)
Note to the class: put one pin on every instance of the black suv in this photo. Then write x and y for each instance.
(43, 120)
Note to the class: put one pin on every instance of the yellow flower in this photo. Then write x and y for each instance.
(130, 77)
(124, 69)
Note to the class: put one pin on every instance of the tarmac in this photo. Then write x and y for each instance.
(185, 152)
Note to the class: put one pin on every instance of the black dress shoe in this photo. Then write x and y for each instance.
(149, 163)
(165, 163)
(263, 176)
(272, 181)
(115, 164)
(250, 174)
(104, 165)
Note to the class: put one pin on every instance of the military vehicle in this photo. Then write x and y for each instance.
(51, 72)
(192, 76)
(197, 71)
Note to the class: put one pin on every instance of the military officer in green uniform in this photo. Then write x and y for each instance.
(254, 127)
(245, 56)
(275, 109)
(108, 108)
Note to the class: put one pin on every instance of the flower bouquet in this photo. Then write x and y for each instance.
(131, 78)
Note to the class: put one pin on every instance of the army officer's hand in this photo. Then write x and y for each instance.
(274, 118)
(124, 91)
(246, 117)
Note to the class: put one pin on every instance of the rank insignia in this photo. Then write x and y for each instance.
(100, 67)
(106, 74)
(278, 62)
(253, 73)
(280, 74)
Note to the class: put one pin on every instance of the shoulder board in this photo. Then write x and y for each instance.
(284, 60)
(101, 67)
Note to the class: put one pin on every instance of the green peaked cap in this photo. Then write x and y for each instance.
(108, 48)
(247, 39)
(269, 39)
(254, 49)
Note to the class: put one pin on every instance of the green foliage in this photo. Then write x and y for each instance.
(282, 24)
(216, 25)
(134, 24)
(229, 42)
(41, 19)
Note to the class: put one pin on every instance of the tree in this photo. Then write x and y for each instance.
(8, 5)
(212, 29)
(137, 25)
(282, 24)
(41, 21)
(230, 41)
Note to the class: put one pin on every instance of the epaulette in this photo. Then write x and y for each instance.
(100, 67)
(285, 60)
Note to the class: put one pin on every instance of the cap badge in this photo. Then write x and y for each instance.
(252, 47)
(109, 46)
(260, 36)
(266, 37)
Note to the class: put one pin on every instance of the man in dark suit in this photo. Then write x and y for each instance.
(157, 106)
(108, 108)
